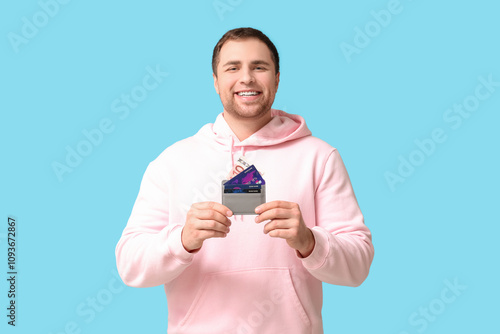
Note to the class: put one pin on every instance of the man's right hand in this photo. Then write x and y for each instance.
(205, 220)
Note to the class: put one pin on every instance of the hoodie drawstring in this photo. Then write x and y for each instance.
(231, 152)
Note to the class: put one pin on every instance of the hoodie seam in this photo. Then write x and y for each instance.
(220, 130)
(323, 169)
(172, 251)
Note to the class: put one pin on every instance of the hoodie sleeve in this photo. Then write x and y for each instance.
(343, 250)
(150, 251)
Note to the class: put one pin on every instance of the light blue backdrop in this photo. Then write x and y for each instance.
(408, 91)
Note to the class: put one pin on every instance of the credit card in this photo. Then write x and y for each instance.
(237, 190)
(239, 187)
(248, 176)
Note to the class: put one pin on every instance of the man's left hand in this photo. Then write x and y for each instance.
(286, 222)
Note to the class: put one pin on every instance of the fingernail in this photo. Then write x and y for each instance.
(258, 209)
(257, 219)
(229, 213)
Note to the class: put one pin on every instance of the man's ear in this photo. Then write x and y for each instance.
(277, 80)
(216, 83)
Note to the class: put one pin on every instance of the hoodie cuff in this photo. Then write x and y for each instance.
(175, 247)
(320, 250)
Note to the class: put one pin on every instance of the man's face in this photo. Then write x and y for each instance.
(246, 81)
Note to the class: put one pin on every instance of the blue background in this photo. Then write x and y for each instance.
(439, 225)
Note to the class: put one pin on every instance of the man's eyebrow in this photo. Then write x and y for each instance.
(260, 62)
(254, 62)
(232, 62)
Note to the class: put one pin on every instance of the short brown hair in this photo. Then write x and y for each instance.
(245, 33)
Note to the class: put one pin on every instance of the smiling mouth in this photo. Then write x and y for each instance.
(248, 93)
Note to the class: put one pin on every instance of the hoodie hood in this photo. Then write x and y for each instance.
(283, 127)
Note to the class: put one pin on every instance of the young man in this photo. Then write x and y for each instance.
(261, 273)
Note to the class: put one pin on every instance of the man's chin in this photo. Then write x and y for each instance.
(248, 114)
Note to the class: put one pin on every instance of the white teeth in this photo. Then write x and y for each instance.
(247, 93)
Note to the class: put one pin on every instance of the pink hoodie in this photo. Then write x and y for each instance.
(247, 282)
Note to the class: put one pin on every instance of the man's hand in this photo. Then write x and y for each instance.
(286, 222)
(205, 220)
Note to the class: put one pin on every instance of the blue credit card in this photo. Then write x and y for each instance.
(238, 190)
(248, 176)
(248, 188)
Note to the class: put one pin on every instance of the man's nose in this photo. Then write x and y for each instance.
(247, 76)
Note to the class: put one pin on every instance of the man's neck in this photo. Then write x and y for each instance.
(245, 127)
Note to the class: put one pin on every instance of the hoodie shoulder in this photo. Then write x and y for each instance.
(317, 144)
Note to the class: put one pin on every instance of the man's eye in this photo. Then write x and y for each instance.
(232, 69)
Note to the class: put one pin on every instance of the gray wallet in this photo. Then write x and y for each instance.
(243, 203)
